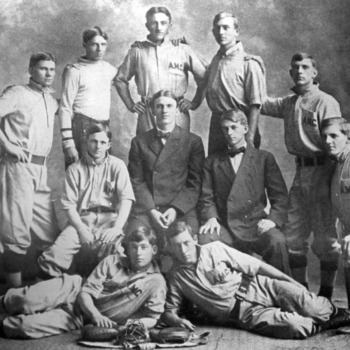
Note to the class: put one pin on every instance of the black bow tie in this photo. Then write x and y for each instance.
(233, 152)
(162, 134)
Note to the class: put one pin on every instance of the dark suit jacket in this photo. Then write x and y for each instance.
(238, 202)
(168, 176)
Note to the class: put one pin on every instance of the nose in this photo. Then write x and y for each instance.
(221, 30)
(327, 139)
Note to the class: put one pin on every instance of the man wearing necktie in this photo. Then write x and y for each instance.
(165, 165)
(237, 185)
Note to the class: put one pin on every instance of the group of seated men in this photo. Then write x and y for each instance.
(172, 211)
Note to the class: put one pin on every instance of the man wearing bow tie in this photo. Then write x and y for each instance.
(165, 165)
(237, 185)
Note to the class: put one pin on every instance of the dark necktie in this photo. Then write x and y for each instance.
(162, 134)
(233, 152)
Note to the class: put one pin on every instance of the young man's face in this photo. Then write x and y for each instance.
(183, 247)
(158, 26)
(165, 110)
(141, 254)
(225, 32)
(97, 146)
(43, 73)
(334, 140)
(234, 133)
(95, 48)
(303, 72)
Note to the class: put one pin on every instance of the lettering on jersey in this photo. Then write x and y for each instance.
(345, 186)
(309, 118)
(136, 290)
(176, 66)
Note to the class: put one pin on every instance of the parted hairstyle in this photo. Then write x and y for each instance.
(176, 228)
(224, 14)
(165, 93)
(90, 33)
(235, 115)
(344, 125)
(98, 127)
(299, 56)
(40, 56)
(158, 9)
(139, 234)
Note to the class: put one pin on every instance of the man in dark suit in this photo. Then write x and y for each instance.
(165, 166)
(237, 184)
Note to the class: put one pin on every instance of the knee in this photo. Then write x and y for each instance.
(295, 330)
(276, 237)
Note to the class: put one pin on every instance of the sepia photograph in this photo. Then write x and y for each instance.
(175, 174)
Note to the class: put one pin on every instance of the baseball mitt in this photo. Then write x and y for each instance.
(170, 335)
(95, 333)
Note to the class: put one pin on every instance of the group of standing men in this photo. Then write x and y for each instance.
(169, 187)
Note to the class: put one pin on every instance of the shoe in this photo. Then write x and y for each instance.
(341, 319)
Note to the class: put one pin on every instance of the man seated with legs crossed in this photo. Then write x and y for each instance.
(244, 291)
(119, 290)
(97, 197)
(237, 184)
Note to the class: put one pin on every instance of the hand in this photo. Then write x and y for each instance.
(177, 42)
(157, 218)
(264, 225)
(139, 108)
(137, 44)
(346, 248)
(85, 235)
(169, 216)
(71, 155)
(185, 105)
(110, 234)
(110, 248)
(182, 322)
(210, 226)
(16, 152)
(103, 321)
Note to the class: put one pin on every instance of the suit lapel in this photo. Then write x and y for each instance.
(171, 145)
(225, 167)
(154, 143)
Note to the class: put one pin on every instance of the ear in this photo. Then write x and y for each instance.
(291, 73)
(315, 73)
(30, 70)
(147, 26)
(109, 145)
(154, 249)
(195, 238)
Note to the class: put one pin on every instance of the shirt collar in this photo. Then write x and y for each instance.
(314, 87)
(178, 264)
(166, 131)
(88, 159)
(343, 155)
(166, 41)
(38, 87)
(236, 50)
(83, 60)
(153, 267)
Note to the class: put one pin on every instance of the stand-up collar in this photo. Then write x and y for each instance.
(38, 87)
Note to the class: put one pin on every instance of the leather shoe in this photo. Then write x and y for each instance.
(341, 319)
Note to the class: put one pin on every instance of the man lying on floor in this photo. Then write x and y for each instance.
(243, 291)
(120, 289)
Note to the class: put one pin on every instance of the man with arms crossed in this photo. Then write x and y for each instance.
(26, 132)
(243, 290)
(309, 197)
(86, 93)
(236, 185)
(119, 290)
(158, 64)
(235, 80)
(97, 197)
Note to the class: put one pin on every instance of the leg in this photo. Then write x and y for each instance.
(216, 142)
(298, 229)
(224, 237)
(43, 309)
(17, 201)
(273, 249)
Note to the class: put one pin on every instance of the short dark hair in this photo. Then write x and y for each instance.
(166, 93)
(158, 9)
(299, 56)
(139, 234)
(235, 115)
(90, 33)
(344, 125)
(176, 228)
(224, 14)
(99, 127)
(40, 56)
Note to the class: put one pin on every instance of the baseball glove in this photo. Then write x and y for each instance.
(170, 335)
(95, 333)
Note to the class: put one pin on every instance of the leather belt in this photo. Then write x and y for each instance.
(34, 159)
(92, 120)
(100, 209)
(310, 161)
(240, 295)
